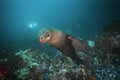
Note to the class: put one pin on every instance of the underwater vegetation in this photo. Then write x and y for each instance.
(28, 64)
(103, 65)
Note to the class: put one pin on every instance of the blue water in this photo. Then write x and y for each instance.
(82, 18)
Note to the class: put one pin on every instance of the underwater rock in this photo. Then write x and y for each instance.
(57, 68)
(109, 40)
(113, 27)
(107, 49)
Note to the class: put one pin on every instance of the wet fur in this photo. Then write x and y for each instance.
(66, 44)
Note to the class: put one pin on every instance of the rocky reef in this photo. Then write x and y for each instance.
(30, 65)
(33, 65)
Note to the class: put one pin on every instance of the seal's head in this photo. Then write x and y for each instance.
(44, 35)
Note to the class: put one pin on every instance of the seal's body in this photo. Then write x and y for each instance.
(63, 42)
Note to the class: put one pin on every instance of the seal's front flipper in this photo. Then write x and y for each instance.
(78, 61)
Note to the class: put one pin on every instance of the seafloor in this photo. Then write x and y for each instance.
(103, 65)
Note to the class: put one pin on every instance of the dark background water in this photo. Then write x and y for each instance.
(81, 18)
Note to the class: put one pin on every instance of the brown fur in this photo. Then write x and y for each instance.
(63, 42)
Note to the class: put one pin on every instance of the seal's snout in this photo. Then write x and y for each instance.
(41, 40)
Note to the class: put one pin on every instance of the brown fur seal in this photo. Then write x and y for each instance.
(63, 42)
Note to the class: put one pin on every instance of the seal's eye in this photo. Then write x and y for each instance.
(47, 34)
